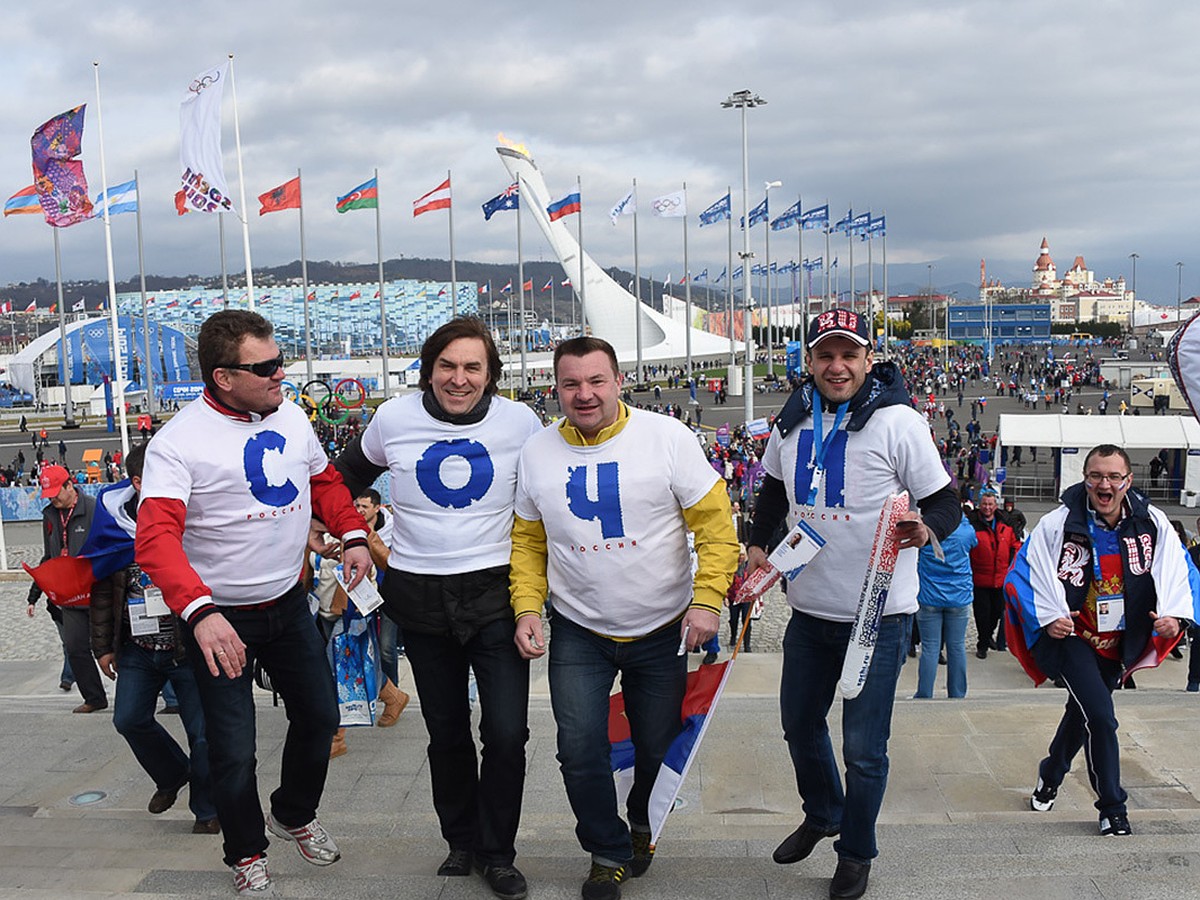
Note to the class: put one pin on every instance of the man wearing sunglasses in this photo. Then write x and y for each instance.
(229, 488)
(1101, 588)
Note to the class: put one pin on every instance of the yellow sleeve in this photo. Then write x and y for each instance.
(711, 520)
(527, 575)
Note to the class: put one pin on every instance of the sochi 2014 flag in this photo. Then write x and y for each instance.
(1183, 355)
(108, 548)
(57, 170)
(204, 188)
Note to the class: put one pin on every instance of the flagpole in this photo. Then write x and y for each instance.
(767, 276)
(118, 366)
(224, 270)
(729, 281)
(308, 357)
(637, 292)
(453, 271)
(383, 329)
(850, 238)
(237, 140)
(552, 313)
(886, 323)
(687, 290)
(828, 262)
(871, 286)
(803, 278)
(69, 410)
(521, 278)
(582, 278)
(147, 363)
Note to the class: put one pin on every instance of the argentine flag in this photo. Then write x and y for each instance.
(122, 198)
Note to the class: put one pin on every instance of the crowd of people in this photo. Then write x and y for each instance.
(506, 540)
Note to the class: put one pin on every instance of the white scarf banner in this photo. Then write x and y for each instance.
(203, 177)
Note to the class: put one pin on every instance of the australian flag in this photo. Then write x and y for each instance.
(509, 198)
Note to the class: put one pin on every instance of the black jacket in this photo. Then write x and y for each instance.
(77, 530)
(109, 598)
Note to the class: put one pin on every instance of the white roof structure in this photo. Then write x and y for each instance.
(1129, 432)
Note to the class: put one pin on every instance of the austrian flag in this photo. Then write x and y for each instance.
(438, 198)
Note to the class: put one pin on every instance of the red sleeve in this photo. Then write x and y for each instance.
(334, 506)
(159, 551)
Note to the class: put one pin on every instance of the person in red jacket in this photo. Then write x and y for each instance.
(989, 563)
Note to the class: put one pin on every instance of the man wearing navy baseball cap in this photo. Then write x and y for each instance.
(847, 438)
(843, 323)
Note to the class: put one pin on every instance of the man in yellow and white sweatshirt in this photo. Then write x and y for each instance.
(604, 504)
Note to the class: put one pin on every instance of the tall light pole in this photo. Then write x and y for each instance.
(1179, 294)
(1133, 301)
(744, 100)
(767, 262)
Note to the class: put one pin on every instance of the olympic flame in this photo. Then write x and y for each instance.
(512, 145)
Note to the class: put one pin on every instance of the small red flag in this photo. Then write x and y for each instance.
(286, 196)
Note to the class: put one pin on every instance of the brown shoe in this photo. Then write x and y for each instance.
(209, 826)
(89, 708)
(338, 747)
(394, 701)
(164, 800)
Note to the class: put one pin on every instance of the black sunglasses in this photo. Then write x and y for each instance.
(261, 369)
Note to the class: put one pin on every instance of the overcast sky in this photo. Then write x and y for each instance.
(978, 127)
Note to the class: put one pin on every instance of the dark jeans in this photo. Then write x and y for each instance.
(989, 614)
(77, 638)
(1089, 720)
(813, 652)
(738, 612)
(1193, 655)
(478, 805)
(285, 639)
(141, 674)
(583, 667)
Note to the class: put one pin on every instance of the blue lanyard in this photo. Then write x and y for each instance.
(821, 447)
(1095, 548)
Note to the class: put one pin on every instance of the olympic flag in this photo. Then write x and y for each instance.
(204, 188)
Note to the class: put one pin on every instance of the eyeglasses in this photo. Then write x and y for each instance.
(1095, 479)
(261, 369)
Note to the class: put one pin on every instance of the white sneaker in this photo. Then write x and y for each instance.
(251, 878)
(312, 840)
(1043, 797)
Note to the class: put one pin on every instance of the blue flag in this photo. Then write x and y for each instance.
(509, 198)
(843, 224)
(815, 218)
(787, 218)
(716, 213)
(758, 214)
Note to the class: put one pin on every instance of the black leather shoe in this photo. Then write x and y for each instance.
(799, 844)
(506, 882)
(850, 880)
(457, 863)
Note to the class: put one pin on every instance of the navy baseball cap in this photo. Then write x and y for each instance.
(839, 323)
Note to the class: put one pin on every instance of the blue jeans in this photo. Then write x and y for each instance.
(583, 667)
(938, 623)
(389, 647)
(141, 674)
(813, 651)
(478, 806)
(285, 638)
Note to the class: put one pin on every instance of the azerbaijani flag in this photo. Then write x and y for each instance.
(108, 548)
(23, 202)
(365, 196)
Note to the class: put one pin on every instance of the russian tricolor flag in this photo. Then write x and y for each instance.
(566, 206)
(108, 548)
(704, 687)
